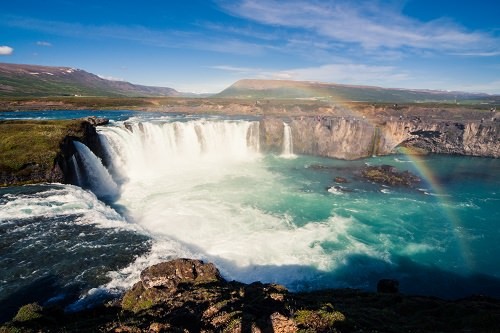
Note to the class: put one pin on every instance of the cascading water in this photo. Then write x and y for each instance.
(187, 185)
(181, 186)
(150, 149)
(201, 189)
(79, 180)
(97, 177)
(287, 151)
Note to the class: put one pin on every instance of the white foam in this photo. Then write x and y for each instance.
(335, 190)
(63, 200)
(186, 184)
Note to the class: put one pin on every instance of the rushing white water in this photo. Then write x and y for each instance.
(184, 183)
(200, 189)
(97, 177)
(287, 142)
(78, 173)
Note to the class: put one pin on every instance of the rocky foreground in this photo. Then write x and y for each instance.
(187, 295)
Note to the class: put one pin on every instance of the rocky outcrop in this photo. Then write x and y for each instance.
(353, 138)
(40, 151)
(187, 295)
(193, 295)
(169, 275)
(271, 132)
(388, 175)
(443, 137)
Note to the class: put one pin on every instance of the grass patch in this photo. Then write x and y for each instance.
(28, 142)
(29, 312)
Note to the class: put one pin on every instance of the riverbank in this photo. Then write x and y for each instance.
(276, 107)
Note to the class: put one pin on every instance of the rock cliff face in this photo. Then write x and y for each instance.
(461, 138)
(352, 138)
(40, 151)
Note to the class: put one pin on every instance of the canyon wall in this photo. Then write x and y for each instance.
(352, 138)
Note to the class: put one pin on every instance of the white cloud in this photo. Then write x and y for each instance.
(480, 54)
(368, 24)
(42, 43)
(236, 69)
(6, 50)
(111, 78)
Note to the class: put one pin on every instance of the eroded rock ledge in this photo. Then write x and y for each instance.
(186, 295)
(38, 151)
(355, 137)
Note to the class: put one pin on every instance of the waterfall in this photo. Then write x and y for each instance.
(96, 176)
(77, 171)
(287, 151)
(167, 148)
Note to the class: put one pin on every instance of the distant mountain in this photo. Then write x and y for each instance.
(32, 80)
(283, 89)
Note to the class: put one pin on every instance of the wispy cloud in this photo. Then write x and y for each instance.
(139, 34)
(111, 78)
(6, 50)
(42, 43)
(370, 24)
(237, 70)
(479, 54)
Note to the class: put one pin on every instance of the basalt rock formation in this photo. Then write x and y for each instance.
(353, 138)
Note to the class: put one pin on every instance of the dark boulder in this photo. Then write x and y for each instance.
(388, 175)
(388, 286)
(341, 180)
(170, 274)
(96, 121)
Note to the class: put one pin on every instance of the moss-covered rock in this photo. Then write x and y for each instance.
(36, 151)
(29, 312)
(388, 175)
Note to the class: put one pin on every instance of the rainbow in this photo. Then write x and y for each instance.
(445, 201)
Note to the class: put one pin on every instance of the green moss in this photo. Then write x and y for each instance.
(137, 299)
(29, 312)
(28, 145)
(318, 320)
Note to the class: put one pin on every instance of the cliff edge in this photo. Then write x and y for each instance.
(37, 151)
(352, 138)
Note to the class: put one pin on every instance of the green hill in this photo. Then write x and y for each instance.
(282, 89)
(38, 81)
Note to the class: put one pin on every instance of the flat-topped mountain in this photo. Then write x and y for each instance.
(33, 80)
(285, 89)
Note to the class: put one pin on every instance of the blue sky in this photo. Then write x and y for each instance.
(204, 46)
